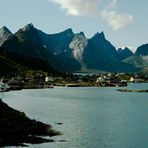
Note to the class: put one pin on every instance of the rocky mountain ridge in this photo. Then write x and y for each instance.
(66, 51)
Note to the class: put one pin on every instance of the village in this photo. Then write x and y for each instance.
(70, 80)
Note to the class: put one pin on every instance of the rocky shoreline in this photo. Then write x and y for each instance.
(128, 90)
(16, 128)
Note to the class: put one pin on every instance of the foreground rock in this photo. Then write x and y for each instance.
(128, 90)
(17, 129)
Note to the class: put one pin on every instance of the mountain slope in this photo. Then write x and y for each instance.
(7, 67)
(140, 58)
(31, 43)
(25, 48)
(98, 53)
(59, 45)
(58, 42)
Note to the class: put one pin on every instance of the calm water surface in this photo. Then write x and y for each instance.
(91, 117)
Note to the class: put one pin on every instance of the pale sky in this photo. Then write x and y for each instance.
(124, 22)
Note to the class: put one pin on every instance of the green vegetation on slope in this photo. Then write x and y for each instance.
(13, 64)
(138, 61)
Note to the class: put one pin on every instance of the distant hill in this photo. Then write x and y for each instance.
(140, 58)
(142, 50)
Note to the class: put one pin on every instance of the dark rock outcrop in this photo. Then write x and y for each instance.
(17, 129)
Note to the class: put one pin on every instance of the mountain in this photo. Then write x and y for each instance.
(65, 51)
(25, 48)
(142, 50)
(138, 61)
(4, 34)
(30, 43)
(23, 42)
(58, 45)
(140, 58)
(97, 53)
(124, 53)
(58, 42)
(74, 52)
(134, 60)
(103, 47)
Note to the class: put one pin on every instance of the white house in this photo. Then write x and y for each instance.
(100, 79)
(49, 79)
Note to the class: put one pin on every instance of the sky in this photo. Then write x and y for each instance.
(124, 22)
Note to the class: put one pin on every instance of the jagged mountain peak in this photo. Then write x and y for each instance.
(5, 33)
(124, 53)
(82, 33)
(99, 36)
(66, 50)
(123, 49)
(4, 28)
(69, 30)
(66, 33)
(127, 49)
(28, 27)
(27, 32)
(120, 50)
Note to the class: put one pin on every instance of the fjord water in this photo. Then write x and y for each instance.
(90, 117)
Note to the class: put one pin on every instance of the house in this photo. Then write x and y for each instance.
(100, 79)
(49, 79)
(131, 79)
